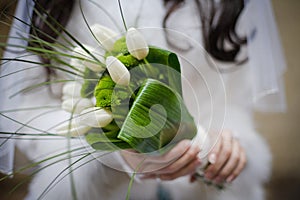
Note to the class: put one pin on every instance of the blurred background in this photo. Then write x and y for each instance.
(281, 130)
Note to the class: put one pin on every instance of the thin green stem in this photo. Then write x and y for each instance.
(32, 165)
(107, 14)
(87, 24)
(73, 188)
(25, 125)
(87, 162)
(32, 119)
(39, 170)
(29, 108)
(122, 15)
(27, 89)
(132, 178)
(65, 169)
(42, 65)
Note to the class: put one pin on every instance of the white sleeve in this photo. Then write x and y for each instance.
(7, 86)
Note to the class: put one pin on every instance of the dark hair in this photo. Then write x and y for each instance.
(47, 14)
(218, 24)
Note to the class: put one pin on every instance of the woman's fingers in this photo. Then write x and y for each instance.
(223, 153)
(175, 153)
(215, 152)
(184, 165)
(227, 160)
(150, 164)
(189, 156)
(241, 165)
(231, 164)
(186, 170)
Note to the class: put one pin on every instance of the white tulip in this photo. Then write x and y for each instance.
(95, 117)
(117, 70)
(71, 90)
(105, 36)
(136, 44)
(88, 61)
(74, 129)
(76, 105)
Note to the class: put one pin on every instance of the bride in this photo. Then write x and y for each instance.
(222, 84)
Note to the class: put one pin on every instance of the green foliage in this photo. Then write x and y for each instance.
(89, 84)
(103, 91)
(144, 126)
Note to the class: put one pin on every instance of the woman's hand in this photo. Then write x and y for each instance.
(181, 160)
(227, 159)
(185, 162)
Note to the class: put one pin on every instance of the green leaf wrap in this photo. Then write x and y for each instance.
(168, 123)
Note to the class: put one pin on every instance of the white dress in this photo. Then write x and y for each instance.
(217, 101)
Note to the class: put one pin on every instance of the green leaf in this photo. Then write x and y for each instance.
(120, 47)
(104, 90)
(128, 60)
(172, 70)
(162, 56)
(156, 118)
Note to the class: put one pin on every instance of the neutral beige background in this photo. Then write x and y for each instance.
(282, 131)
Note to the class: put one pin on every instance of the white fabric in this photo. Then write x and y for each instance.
(266, 58)
(19, 29)
(215, 100)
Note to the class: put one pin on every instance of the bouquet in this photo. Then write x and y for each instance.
(123, 94)
(137, 95)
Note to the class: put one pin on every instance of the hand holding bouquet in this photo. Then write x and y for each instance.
(138, 103)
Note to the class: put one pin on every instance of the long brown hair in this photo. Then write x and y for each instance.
(218, 26)
(58, 12)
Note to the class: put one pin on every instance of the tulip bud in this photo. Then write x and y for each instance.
(136, 44)
(117, 71)
(71, 90)
(76, 105)
(74, 129)
(105, 36)
(95, 117)
(87, 60)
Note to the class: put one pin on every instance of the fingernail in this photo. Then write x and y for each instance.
(212, 158)
(229, 179)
